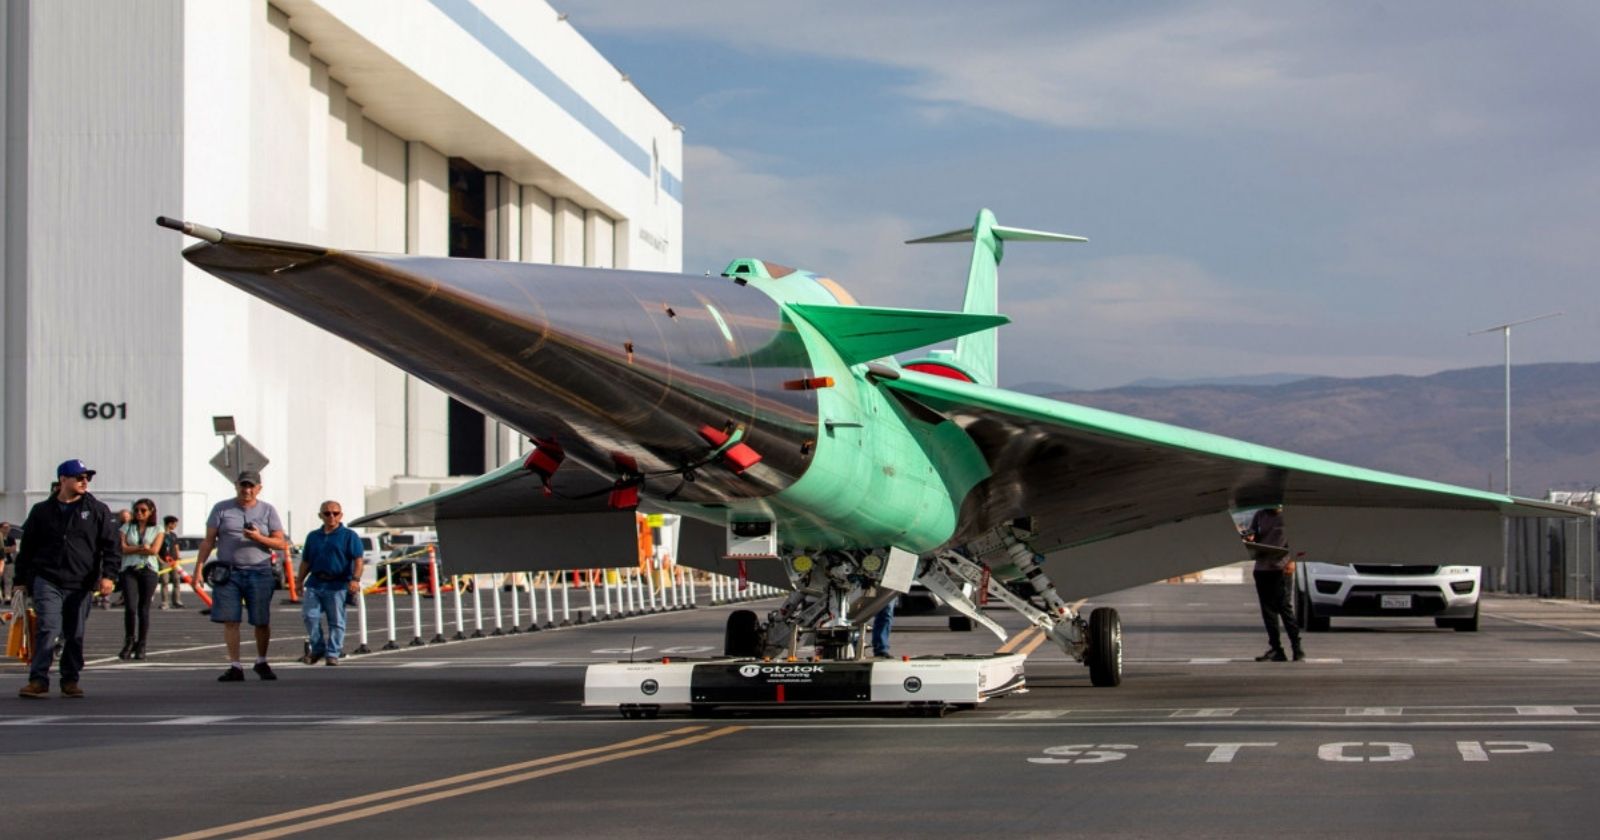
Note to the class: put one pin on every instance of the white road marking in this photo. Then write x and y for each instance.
(535, 663)
(193, 720)
(1339, 751)
(1546, 710)
(1204, 713)
(1210, 660)
(1041, 714)
(1373, 711)
(1223, 753)
(425, 663)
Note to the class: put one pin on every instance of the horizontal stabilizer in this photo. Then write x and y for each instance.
(864, 333)
(1002, 233)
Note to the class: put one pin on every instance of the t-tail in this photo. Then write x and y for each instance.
(977, 354)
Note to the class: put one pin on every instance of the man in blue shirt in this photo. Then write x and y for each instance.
(330, 564)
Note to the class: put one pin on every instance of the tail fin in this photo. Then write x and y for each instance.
(977, 354)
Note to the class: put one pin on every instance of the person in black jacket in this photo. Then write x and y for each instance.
(70, 550)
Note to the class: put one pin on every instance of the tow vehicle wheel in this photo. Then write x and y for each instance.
(742, 638)
(1104, 654)
(960, 624)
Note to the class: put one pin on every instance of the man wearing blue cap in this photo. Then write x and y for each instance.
(70, 550)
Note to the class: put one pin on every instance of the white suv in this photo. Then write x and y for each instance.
(1447, 594)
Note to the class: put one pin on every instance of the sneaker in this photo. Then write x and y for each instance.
(163, 607)
(311, 658)
(232, 675)
(331, 661)
(263, 670)
(1273, 655)
(34, 690)
(178, 605)
(71, 689)
(1299, 655)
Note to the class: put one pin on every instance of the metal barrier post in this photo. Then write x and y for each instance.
(533, 603)
(438, 597)
(625, 592)
(416, 609)
(605, 581)
(455, 593)
(594, 614)
(549, 605)
(477, 607)
(498, 582)
(654, 580)
(566, 600)
(388, 604)
(361, 622)
(516, 608)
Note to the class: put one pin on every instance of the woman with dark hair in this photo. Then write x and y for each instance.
(141, 560)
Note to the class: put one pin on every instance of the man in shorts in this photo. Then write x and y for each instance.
(244, 531)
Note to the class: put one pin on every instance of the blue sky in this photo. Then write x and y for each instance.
(1341, 189)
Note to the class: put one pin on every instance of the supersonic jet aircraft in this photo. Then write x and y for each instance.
(767, 406)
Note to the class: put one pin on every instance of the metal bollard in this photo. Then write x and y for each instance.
(416, 609)
(388, 603)
(694, 603)
(566, 600)
(477, 607)
(533, 604)
(498, 582)
(549, 606)
(516, 610)
(626, 595)
(361, 621)
(455, 591)
(605, 581)
(438, 598)
(594, 613)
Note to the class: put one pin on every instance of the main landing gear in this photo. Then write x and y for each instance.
(1002, 555)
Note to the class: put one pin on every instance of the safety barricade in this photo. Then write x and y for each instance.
(612, 594)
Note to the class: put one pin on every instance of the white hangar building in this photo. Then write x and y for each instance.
(478, 128)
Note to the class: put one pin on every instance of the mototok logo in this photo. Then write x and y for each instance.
(778, 670)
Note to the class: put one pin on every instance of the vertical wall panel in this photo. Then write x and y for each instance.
(538, 225)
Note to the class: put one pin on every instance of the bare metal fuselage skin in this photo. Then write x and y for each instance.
(624, 370)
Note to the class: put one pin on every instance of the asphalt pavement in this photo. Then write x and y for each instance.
(1391, 728)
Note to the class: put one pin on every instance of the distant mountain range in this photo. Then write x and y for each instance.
(1447, 427)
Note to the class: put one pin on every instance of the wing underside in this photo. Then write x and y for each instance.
(1118, 500)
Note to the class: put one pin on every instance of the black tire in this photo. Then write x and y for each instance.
(1468, 624)
(1104, 654)
(960, 624)
(742, 638)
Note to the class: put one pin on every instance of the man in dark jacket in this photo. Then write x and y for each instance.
(1274, 576)
(70, 550)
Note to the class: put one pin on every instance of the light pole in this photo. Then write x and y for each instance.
(1505, 330)
(1505, 524)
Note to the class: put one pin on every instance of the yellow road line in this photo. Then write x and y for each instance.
(1033, 645)
(1018, 639)
(587, 757)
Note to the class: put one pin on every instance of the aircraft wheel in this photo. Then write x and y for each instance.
(960, 624)
(1104, 655)
(742, 638)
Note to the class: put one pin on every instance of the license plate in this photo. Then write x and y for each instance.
(1394, 602)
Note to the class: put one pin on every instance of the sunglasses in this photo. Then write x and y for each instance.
(84, 477)
(330, 513)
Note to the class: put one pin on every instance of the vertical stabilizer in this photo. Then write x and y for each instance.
(978, 354)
